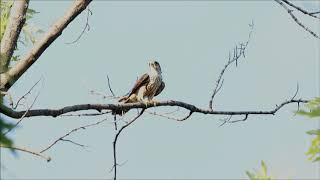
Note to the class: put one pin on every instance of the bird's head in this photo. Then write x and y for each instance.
(155, 65)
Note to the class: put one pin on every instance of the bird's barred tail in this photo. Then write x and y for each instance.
(124, 100)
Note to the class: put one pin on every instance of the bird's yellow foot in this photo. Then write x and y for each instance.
(154, 102)
(145, 102)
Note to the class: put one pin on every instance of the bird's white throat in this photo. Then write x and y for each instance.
(154, 74)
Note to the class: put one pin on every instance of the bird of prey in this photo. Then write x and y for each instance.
(147, 86)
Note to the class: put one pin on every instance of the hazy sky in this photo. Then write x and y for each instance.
(191, 40)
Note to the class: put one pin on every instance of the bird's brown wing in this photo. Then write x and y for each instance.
(161, 87)
(143, 80)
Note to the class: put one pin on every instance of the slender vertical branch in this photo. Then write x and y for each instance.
(238, 51)
(115, 143)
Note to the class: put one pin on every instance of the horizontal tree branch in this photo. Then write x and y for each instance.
(12, 75)
(120, 107)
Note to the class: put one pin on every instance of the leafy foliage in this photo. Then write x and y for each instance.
(30, 32)
(259, 175)
(3, 128)
(5, 12)
(313, 111)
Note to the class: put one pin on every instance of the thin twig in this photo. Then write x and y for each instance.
(224, 121)
(115, 115)
(237, 53)
(87, 26)
(27, 93)
(70, 132)
(296, 19)
(301, 10)
(93, 92)
(244, 119)
(75, 143)
(164, 115)
(47, 158)
(87, 114)
(20, 120)
(109, 86)
(115, 142)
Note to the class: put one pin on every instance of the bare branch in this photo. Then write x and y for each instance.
(224, 121)
(47, 158)
(87, 114)
(115, 142)
(93, 92)
(12, 75)
(29, 92)
(296, 19)
(16, 21)
(75, 143)
(20, 120)
(109, 86)
(238, 51)
(120, 107)
(69, 133)
(312, 14)
(317, 12)
(164, 115)
(86, 27)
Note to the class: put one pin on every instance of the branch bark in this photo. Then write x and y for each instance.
(47, 158)
(121, 107)
(12, 75)
(16, 21)
(281, 2)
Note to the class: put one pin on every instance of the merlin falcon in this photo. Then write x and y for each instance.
(147, 86)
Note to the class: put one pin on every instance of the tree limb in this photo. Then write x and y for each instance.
(296, 19)
(16, 21)
(311, 14)
(27, 151)
(120, 107)
(62, 138)
(12, 75)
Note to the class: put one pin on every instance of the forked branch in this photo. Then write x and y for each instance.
(238, 51)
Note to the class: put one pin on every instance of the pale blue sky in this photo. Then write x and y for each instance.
(191, 40)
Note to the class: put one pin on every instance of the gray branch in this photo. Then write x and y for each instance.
(281, 2)
(12, 75)
(121, 107)
(16, 21)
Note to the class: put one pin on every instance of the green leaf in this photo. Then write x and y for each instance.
(317, 159)
(314, 132)
(264, 168)
(313, 108)
(259, 175)
(4, 126)
(15, 58)
(250, 175)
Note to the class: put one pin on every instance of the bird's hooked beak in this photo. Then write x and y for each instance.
(155, 65)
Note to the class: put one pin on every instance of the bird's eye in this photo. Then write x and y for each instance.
(156, 63)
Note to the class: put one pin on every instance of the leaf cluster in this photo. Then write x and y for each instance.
(4, 127)
(313, 111)
(262, 174)
(30, 32)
